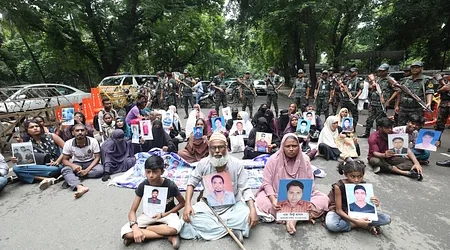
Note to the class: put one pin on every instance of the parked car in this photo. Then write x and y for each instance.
(260, 87)
(37, 96)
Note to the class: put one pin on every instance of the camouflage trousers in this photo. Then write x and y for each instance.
(273, 97)
(375, 113)
(405, 113)
(301, 103)
(337, 98)
(322, 105)
(221, 99)
(444, 112)
(353, 109)
(248, 100)
(186, 100)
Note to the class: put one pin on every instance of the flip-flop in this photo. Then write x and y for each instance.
(375, 230)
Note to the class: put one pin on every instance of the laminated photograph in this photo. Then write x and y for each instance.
(294, 196)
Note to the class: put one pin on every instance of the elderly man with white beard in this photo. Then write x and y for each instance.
(198, 220)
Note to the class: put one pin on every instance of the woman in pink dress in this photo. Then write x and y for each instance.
(287, 163)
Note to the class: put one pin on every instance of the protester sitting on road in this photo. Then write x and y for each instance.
(198, 220)
(66, 132)
(134, 115)
(161, 225)
(193, 116)
(196, 149)
(272, 121)
(160, 140)
(292, 125)
(107, 109)
(117, 154)
(234, 115)
(212, 115)
(46, 149)
(382, 159)
(108, 126)
(287, 163)
(292, 109)
(263, 127)
(121, 124)
(24, 137)
(343, 113)
(411, 128)
(327, 145)
(283, 120)
(81, 159)
(337, 219)
(4, 170)
(260, 113)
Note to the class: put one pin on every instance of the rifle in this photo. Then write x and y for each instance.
(271, 83)
(344, 87)
(245, 85)
(377, 86)
(407, 91)
(185, 84)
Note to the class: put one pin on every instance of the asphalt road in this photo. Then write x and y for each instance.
(52, 219)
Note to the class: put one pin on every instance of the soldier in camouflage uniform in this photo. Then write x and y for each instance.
(419, 84)
(355, 85)
(218, 83)
(273, 83)
(376, 109)
(338, 94)
(247, 92)
(301, 88)
(159, 91)
(444, 108)
(172, 91)
(186, 87)
(323, 94)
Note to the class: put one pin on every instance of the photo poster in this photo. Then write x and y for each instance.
(198, 132)
(146, 129)
(358, 201)
(263, 140)
(238, 128)
(347, 124)
(167, 120)
(237, 143)
(255, 176)
(310, 116)
(294, 196)
(226, 112)
(24, 154)
(154, 200)
(346, 146)
(135, 133)
(219, 189)
(427, 138)
(303, 127)
(67, 116)
(218, 124)
(398, 143)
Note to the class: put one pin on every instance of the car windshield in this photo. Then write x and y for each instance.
(112, 81)
(6, 93)
(261, 83)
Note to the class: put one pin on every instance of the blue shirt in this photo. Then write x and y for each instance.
(228, 199)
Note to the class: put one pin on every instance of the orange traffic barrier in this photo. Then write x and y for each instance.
(76, 107)
(96, 100)
(58, 114)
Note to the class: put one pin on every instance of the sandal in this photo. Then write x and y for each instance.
(414, 175)
(46, 183)
(375, 230)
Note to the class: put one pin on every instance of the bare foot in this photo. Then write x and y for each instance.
(80, 191)
(175, 240)
(290, 226)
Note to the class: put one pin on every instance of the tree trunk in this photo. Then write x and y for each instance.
(33, 57)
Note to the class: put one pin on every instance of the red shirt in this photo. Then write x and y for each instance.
(377, 144)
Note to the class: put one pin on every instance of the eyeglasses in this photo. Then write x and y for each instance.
(221, 147)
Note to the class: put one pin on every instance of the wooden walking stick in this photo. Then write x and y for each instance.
(229, 231)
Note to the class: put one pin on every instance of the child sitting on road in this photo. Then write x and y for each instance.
(162, 225)
(108, 126)
(337, 219)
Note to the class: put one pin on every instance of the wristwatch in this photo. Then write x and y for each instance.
(132, 223)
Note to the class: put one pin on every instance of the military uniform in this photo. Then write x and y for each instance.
(158, 90)
(338, 95)
(353, 86)
(172, 90)
(221, 97)
(323, 96)
(444, 111)
(272, 83)
(248, 97)
(376, 110)
(187, 94)
(301, 85)
(422, 86)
